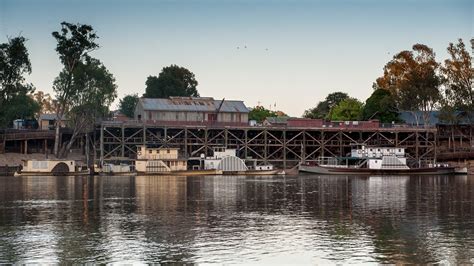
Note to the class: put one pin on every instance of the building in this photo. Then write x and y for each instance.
(159, 160)
(46, 121)
(276, 121)
(192, 111)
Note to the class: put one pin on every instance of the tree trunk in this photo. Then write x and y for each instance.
(56, 139)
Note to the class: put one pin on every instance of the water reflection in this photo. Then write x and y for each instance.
(223, 219)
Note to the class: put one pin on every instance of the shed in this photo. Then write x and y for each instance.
(191, 110)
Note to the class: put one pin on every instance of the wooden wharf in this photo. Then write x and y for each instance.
(281, 146)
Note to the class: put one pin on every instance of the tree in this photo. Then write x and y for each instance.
(21, 106)
(74, 41)
(172, 81)
(380, 105)
(259, 113)
(457, 76)
(349, 109)
(94, 90)
(127, 104)
(14, 64)
(323, 108)
(413, 80)
(45, 102)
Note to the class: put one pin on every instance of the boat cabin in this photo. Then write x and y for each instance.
(157, 160)
(376, 152)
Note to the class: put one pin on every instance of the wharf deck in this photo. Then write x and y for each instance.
(282, 146)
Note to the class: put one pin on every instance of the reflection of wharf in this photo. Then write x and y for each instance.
(282, 146)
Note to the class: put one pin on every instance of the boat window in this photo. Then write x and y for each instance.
(378, 149)
(399, 150)
(370, 149)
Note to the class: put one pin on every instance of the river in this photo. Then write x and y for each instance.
(306, 219)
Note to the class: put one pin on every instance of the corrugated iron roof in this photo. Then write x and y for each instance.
(192, 104)
(49, 117)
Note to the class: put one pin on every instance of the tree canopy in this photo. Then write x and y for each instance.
(458, 73)
(172, 81)
(84, 88)
(413, 80)
(323, 108)
(127, 104)
(349, 109)
(14, 64)
(380, 105)
(259, 113)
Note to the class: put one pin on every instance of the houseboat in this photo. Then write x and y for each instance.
(372, 161)
(164, 161)
(51, 167)
(117, 167)
(226, 161)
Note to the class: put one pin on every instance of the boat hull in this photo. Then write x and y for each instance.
(215, 172)
(79, 173)
(364, 171)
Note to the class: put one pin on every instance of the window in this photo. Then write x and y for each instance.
(167, 151)
(150, 151)
(378, 149)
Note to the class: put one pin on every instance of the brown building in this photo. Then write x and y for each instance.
(192, 111)
(46, 121)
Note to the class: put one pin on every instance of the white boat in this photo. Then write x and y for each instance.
(372, 161)
(51, 167)
(226, 161)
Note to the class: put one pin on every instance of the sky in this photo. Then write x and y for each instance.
(282, 54)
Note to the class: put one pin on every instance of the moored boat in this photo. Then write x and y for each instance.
(51, 167)
(373, 161)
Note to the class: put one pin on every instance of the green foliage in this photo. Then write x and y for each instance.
(84, 88)
(323, 108)
(172, 81)
(74, 41)
(127, 104)
(412, 78)
(380, 105)
(259, 113)
(18, 107)
(458, 90)
(349, 109)
(14, 64)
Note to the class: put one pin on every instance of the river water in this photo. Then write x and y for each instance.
(232, 219)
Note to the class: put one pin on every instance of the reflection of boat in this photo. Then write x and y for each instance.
(51, 167)
(372, 160)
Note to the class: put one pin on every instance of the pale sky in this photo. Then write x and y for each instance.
(297, 51)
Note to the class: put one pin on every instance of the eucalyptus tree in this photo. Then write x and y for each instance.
(94, 90)
(458, 74)
(412, 77)
(74, 42)
(14, 90)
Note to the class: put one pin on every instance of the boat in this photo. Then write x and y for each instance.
(51, 167)
(115, 168)
(226, 161)
(373, 161)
